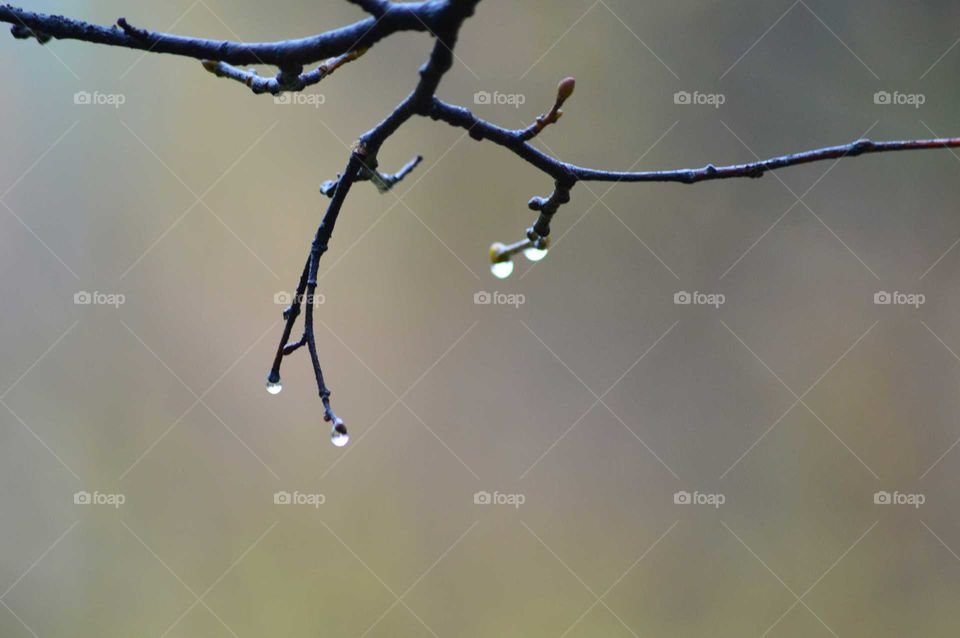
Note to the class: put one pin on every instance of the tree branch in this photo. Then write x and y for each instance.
(443, 20)
(419, 16)
(514, 140)
(362, 165)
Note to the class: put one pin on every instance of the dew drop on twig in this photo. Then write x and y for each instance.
(338, 433)
(502, 269)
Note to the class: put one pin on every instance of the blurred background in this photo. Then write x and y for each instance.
(590, 413)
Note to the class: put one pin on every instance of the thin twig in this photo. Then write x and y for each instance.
(513, 140)
(415, 16)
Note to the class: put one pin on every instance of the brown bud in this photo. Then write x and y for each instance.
(565, 89)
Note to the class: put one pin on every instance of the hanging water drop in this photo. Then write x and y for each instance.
(338, 433)
(535, 254)
(502, 269)
(274, 388)
(273, 384)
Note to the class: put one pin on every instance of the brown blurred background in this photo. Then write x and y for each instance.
(593, 403)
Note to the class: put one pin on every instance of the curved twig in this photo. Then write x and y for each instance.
(419, 16)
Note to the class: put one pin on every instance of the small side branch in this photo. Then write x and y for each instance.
(548, 207)
(383, 181)
(290, 348)
(537, 241)
(564, 91)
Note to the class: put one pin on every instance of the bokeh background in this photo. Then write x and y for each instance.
(596, 400)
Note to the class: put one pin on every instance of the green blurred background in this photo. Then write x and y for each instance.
(596, 400)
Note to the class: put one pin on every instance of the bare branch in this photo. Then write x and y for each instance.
(514, 140)
(443, 20)
(362, 165)
(418, 16)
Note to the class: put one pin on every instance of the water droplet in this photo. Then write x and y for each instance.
(502, 269)
(338, 433)
(535, 254)
(274, 387)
